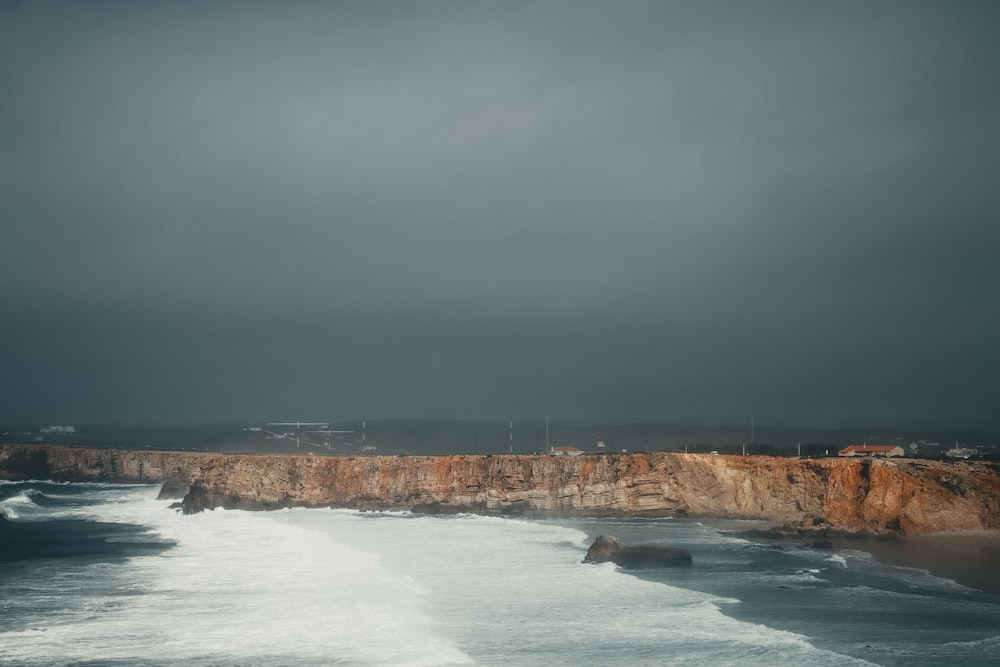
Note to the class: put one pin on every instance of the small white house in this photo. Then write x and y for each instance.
(565, 451)
(957, 452)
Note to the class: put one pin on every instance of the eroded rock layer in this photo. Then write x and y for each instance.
(876, 496)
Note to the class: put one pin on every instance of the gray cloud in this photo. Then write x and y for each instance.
(472, 209)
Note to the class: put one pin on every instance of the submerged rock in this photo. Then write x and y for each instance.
(819, 531)
(607, 548)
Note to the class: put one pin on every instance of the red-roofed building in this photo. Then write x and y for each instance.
(872, 450)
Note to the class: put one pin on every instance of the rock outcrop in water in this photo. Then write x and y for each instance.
(875, 496)
(607, 548)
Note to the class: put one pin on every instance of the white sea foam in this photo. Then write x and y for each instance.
(522, 586)
(329, 587)
(988, 643)
(838, 559)
(18, 506)
(242, 587)
(805, 576)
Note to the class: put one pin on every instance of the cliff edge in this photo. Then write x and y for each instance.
(902, 496)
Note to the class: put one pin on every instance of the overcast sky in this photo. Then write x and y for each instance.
(241, 211)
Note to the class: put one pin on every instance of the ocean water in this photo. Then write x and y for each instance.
(106, 575)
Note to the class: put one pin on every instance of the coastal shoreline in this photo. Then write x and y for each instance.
(970, 558)
(828, 503)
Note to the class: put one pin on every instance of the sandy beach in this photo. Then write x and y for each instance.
(972, 558)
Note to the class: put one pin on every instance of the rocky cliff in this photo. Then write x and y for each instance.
(64, 464)
(876, 496)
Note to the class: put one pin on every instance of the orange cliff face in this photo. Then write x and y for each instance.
(875, 496)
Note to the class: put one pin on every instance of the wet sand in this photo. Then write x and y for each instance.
(970, 558)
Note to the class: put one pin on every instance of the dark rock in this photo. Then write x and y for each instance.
(197, 499)
(813, 528)
(176, 486)
(23, 464)
(200, 498)
(442, 508)
(607, 548)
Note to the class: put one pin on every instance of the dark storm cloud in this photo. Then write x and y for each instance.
(471, 209)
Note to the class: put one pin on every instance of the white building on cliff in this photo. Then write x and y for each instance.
(565, 451)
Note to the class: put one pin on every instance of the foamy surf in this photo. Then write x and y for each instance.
(17, 506)
(338, 587)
